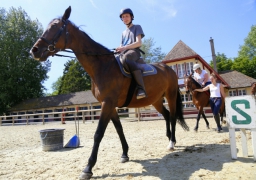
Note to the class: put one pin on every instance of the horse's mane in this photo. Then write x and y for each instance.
(195, 82)
(85, 34)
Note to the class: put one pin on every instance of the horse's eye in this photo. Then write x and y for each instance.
(54, 25)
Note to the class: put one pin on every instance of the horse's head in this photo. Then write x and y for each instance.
(190, 84)
(53, 39)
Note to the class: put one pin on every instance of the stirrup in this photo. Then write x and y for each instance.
(141, 94)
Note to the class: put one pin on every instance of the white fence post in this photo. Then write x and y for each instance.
(241, 114)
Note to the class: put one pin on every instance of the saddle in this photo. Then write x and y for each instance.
(147, 69)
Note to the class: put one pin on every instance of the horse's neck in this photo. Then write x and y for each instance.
(82, 44)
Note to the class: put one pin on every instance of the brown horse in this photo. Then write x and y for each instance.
(253, 91)
(109, 85)
(200, 100)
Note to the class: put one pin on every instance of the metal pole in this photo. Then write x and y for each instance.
(213, 55)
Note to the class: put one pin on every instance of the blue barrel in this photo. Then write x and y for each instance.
(51, 139)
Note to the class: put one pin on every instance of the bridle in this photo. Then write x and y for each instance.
(52, 43)
(188, 85)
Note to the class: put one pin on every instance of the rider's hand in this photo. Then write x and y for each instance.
(120, 49)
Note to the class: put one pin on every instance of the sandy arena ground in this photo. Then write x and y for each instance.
(203, 155)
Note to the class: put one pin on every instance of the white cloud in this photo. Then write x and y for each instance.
(93, 4)
(165, 8)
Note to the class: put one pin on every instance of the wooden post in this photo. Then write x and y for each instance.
(91, 112)
(253, 133)
(83, 117)
(232, 139)
(27, 119)
(12, 120)
(43, 117)
(244, 142)
(213, 55)
(138, 113)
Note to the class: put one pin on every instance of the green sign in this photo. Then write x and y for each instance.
(247, 117)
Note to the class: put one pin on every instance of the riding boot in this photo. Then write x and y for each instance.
(217, 120)
(137, 75)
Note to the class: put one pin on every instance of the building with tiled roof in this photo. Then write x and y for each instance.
(81, 98)
(182, 58)
(239, 83)
(58, 107)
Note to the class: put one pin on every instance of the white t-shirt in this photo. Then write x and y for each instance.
(200, 77)
(215, 90)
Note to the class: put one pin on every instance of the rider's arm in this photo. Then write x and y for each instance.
(206, 77)
(131, 46)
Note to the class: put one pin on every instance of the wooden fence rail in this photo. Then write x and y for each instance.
(146, 113)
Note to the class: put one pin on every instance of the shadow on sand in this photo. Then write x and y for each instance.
(183, 162)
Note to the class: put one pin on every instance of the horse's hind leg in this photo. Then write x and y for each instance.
(206, 121)
(161, 109)
(119, 129)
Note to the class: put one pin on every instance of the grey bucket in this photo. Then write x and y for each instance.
(51, 139)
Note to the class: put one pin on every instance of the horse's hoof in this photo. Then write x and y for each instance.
(195, 129)
(170, 149)
(208, 127)
(124, 159)
(171, 145)
(85, 176)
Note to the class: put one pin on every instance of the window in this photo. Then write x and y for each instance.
(181, 70)
(189, 68)
(174, 68)
(232, 93)
(241, 92)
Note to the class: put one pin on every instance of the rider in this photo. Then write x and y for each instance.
(201, 75)
(129, 48)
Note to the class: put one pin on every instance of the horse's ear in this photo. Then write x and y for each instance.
(67, 13)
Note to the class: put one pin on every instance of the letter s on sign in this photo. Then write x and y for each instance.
(248, 118)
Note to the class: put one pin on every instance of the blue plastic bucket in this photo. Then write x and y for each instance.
(51, 139)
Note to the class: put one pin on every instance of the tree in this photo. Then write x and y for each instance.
(74, 78)
(21, 77)
(249, 47)
(56, 86)
(152, 54)
(246, 60)
(222, 62)
(245, 65)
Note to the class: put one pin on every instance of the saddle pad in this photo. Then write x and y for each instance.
(147, 69)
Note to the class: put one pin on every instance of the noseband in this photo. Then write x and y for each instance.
(51, 44)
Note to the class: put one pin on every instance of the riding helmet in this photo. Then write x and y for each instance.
(196, 66)
(125, 11)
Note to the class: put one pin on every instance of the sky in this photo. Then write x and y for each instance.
(228, 22)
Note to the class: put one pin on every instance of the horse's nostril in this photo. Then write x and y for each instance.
(34, 49)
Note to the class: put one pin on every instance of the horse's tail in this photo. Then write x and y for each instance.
(179, 112)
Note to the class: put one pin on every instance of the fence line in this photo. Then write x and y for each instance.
(146, 113)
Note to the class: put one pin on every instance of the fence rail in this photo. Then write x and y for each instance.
(146, 113)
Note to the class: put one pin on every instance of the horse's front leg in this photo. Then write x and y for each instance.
(106, 113)
(119, 129)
